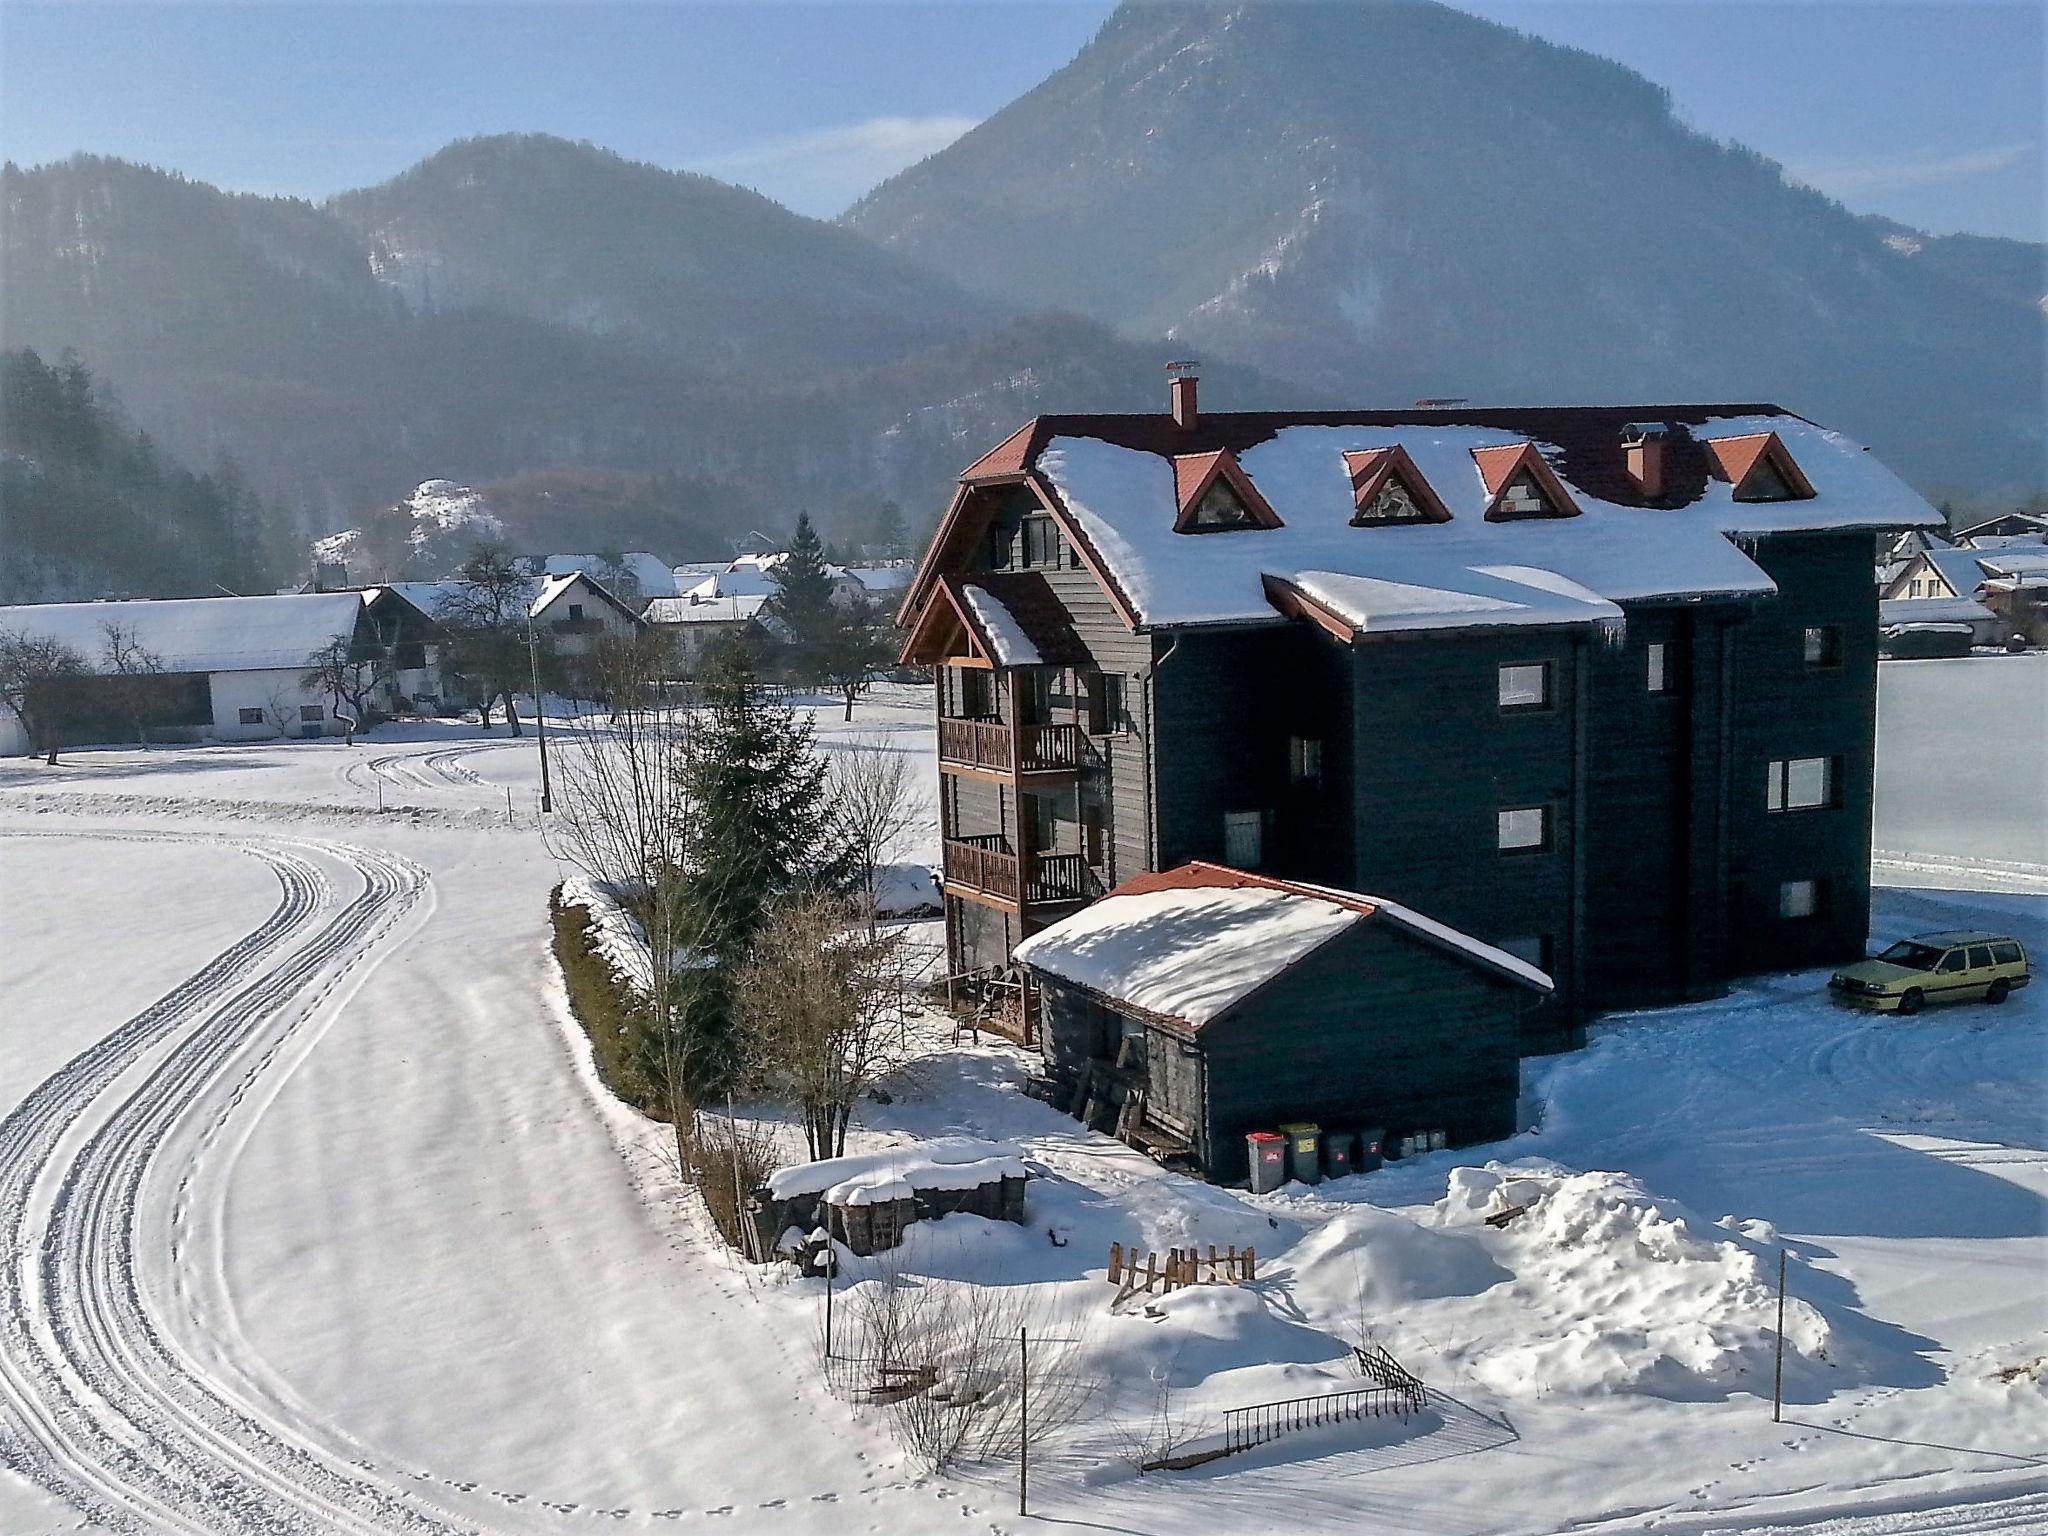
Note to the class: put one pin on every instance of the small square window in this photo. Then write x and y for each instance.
(1658, 667)
(1823, 645)
(312, 712)
(251, 716)
(575, 613)
(1244, 838)
(1525, 685)
(1799, 898)
(1525, 829)
(1305, 759)
(1800, 784)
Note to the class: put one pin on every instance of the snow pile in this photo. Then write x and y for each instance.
(897, 1173)
(1013, 647)
(1617, 1290)
(614, 933)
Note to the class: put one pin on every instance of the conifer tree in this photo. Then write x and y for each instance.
(803, 602)
(762, 830)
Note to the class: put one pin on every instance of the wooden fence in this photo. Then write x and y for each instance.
(1183, 1266)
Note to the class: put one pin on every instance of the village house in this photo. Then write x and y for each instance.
(574, 612)
(635, 577)
(1983, 590)
(699, 625)
(1190, 1008)
(1596, 686)
(217, 669)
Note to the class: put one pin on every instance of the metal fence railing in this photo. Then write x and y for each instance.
(1259, 1423)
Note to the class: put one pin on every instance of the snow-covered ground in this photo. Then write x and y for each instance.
(342, 1236)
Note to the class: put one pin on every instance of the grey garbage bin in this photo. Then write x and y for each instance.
(1372, 1150)
(1269, 1161)
(1338, 1150)
(1304, 1151)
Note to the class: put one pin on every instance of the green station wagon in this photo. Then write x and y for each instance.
(1935, 968)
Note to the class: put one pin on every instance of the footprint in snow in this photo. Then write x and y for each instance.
(723, 1509)
(824, 1498)
(773, 1504)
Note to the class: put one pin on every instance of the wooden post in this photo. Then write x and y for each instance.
(1212, 1263)
(1251, 1265)
(1023, 1419)
(1778, 1384)
(1151, 1271)
(1116, 1262)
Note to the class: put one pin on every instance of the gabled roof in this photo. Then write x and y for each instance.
(1499, 470)
(1195, 473)
(554, 588)
(2005, 523)
(714, 610)
(1961, 569)
(1736, 460)
(1186, 946)
(1372, 468)
(1009, 619)
(1116, 486)
(200, 634)
(655, 578)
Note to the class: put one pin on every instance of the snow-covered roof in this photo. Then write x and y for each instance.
(200, 634)
(2008, 541)
(1962, 569)
(713, 610)
(882, 580)
(897, 1173)
(652, 577)
(1894, 611)
(753, 576)
(1468, 571)
(1190, 944)
(1006, 637)
(554, 588)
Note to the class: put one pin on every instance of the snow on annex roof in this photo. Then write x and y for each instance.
(1115, 477)
(653, 577)
(707, 610)
(200, 634)
(1189, 944)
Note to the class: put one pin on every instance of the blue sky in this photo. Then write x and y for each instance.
(1931, 113)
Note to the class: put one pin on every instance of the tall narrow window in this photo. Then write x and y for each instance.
(1105, 702)
(1822, 645)
(1093, 842)
(1305, 759)
(1525, 829)
(1659, 667)
(1525, 685)
(1800, 784)
(1244, 838)
(1041, 542)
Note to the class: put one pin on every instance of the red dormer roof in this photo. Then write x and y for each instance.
(1370, 468)
(1735, 459)
(1194, 473)
(1499, 467)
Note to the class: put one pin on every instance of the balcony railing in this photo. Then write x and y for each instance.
(986, 864)
(986, 744)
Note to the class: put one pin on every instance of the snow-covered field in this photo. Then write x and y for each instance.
(316, 1220)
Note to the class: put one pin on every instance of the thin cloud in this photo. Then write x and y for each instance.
(821, 173)
(1841, 178)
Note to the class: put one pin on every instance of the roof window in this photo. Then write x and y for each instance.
(1216, 496)
(1521, 484)
(1387, 488)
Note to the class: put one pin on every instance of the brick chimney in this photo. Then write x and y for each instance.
(1180, 393)
(1642, 444)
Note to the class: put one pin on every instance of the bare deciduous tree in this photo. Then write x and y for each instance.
(346, 679)
(623, 816)
(817, 1004)
(38, 678)
(131, 670)
(878, 801)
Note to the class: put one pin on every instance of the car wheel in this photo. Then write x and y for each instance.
(1913, 1000)
(1998, 991)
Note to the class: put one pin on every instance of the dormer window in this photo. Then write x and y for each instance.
(1216, 496)
(1387, 488)
(1759, 467)
(1521, 484)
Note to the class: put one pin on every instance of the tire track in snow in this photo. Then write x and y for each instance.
(99, 1406)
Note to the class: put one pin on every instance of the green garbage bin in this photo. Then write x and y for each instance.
(1269, 1161)
(1304, 1151)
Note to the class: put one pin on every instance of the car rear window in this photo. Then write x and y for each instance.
(2005, 954)
(1980, 956)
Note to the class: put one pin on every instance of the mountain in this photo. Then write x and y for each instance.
(516, 305)
(1392, 199)
(576, 236)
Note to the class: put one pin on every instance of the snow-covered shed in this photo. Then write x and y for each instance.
(866, 1199)
(218, 668)
(1203, 1003)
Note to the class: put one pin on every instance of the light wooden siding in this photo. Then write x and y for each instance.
(1124, 781)
(1436, 759)
(1375, 1028)
(1782, 708)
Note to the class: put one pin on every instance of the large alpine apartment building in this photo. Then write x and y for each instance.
(1596, 685)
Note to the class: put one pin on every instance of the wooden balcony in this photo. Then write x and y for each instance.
(985, 745)
(987, 867)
